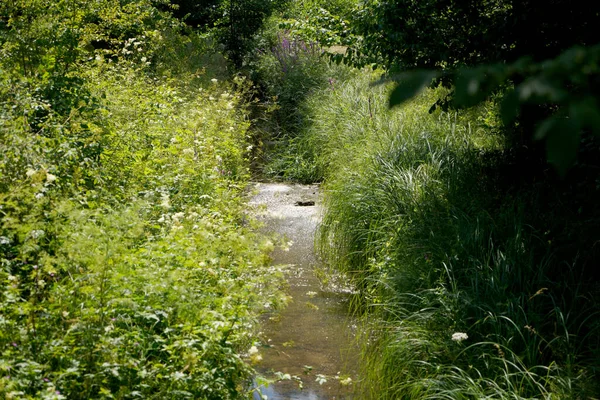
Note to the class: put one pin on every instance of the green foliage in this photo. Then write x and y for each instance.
(438, 245)
(486, 47)
(288, 73)
(549, 84)
(318, 24)
(240, 21)
(447, 34)
(127, 266)
(409, 86)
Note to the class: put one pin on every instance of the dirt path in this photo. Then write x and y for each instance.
(310, 341)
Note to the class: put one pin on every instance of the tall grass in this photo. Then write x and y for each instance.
(416, 214)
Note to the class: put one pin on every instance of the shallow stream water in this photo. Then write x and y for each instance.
(310, 342)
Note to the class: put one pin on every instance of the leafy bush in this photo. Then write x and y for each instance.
(316, 21)
(128, 267)
(233, 22)
(528, 51)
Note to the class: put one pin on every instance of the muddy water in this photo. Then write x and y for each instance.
(310, 342)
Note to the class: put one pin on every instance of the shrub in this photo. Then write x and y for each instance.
(128, 266)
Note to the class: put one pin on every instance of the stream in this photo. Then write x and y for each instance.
(308, 347)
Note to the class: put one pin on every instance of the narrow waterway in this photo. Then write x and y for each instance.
(307, 348)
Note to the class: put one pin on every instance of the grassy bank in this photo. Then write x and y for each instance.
(475, 277)
(462, 287)
(128, 268)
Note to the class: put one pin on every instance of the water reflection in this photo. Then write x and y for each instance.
(310, 341)
(272, 393)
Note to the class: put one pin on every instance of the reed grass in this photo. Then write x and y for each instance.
(416, 216)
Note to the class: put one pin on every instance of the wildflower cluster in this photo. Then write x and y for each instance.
(290, 52)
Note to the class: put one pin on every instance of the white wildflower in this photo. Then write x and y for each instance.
(346, 381)
(164, 200)
(459, 336)
(214, 80)
(36, 233)
(177, 376)
(178, 216)
(50, 178)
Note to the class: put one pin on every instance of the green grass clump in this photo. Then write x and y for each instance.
(128, 268)
(461, 292)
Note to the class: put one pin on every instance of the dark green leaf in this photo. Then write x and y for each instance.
(586, 113)
(409, 85)
(472, 86)
(540, 90)
(509, 108)
(562, 141)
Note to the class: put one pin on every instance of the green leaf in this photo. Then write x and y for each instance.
(409, 85)
(587, 113)
(562, 141)
(509, 108)
(539, 90)
(472, 86)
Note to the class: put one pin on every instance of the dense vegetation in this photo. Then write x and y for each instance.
(472, 249)
(127, 131)
(127, 270)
